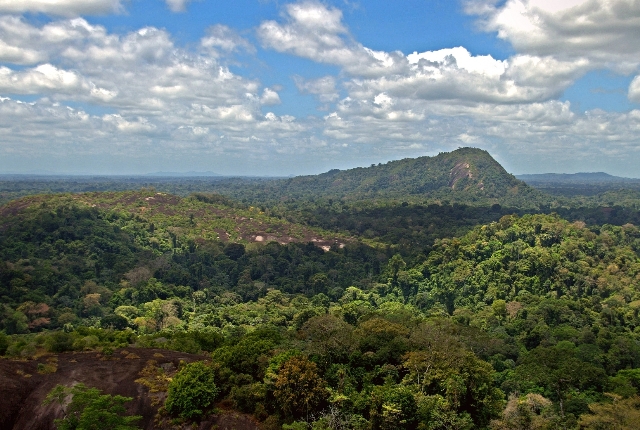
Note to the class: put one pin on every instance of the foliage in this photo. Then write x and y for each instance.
(299, 389)
(192, 390)
(4, 343)
(430, 315)
(530, 412)
(88, 409)
(623, 414)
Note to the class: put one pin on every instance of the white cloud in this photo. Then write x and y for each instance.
(315, 31)
(222, 37)
(546, 133)
(61, 7)
(481, 64)
(447, 96)
(142, 72)
(270, 97)
(634, 90)
(158, 98)
(177, 5)
(324, 88)
(456, 75)
(44, 78)
(446, 74)
(603, 31)
(138, 125)
(153, 91)
(555, 5)
(15, 55)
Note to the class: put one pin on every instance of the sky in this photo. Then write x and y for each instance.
(278, 88)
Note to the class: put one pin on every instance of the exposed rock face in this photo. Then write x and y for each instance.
(22, 388)
(460, 171)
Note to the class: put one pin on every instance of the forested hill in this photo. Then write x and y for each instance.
(466, 175)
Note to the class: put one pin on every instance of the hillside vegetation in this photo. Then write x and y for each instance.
(340, 314)
(466, 175)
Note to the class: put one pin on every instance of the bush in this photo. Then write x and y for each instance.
(60, 342)
(116, 322)
(4, 343)
(89, 409)
(192, 390)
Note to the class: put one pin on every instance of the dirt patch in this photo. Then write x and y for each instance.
(222, 235)
(22, 388)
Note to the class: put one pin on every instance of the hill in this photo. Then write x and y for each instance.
(587, 189)
(576, 178)
(466, 175)
(62, 250)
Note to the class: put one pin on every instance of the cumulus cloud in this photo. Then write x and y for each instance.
(41, 79)
(157, 97)
(177, 5)
(15, 55)
(455, 75)
(543, 133)
(137, 125)
(270, 97)
(155, 89)
(221, 37)
(603, 31)
(140, 71)
(324, 88)
(61, 7)
(315, 31)
(446, 74)
(634, 90)
(450, 96)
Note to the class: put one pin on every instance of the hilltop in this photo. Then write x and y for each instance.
(466, 175)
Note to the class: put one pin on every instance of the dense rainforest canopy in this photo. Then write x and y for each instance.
(336, 314)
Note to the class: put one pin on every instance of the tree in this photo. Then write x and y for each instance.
(530, 412)
(192, 390)
(392, 407)
(89, 409)
(395, 265)
(445, 368)
(299, 388)
(558, 370)
(620, 414)
(329, 336)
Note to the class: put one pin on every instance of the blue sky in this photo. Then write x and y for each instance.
(278, 88)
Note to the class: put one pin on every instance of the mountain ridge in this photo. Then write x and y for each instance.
(576, 178)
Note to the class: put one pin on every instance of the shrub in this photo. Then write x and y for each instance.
(192, 390)
(89, 409)
(60, 342)
(4, 343)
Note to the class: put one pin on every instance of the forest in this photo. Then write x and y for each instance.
(431, 293)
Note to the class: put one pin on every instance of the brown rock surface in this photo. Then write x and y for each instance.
(22, 388)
